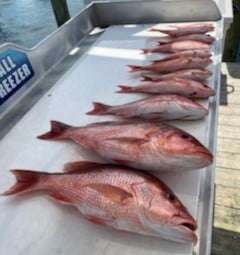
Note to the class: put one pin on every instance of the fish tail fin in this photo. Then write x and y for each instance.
(125, 89)
(25, 181)
(135, 68)
(99, 109)
(146, 51)
(57, 132)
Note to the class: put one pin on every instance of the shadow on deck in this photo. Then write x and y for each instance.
(228, 81)
(225, 242)
(225, 90)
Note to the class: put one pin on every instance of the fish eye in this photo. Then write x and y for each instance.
(185, 136)
(193, 94)
(171, 197)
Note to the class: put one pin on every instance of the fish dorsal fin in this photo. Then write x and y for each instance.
(79, 166)
(113, 193)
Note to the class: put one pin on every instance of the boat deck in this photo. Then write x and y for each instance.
(226, 229)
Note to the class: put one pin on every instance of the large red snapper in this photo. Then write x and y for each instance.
(115, 196)
(149, 146)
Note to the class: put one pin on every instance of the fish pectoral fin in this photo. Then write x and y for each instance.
(79, 166)
(62, 198)
(112, 193)
(127, 140)
(158, 113)
(142, 190)
(156, 119)
(157, 116)
(124, 115)
(99, 219)
(122, 161)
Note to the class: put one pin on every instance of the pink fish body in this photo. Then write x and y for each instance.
(155, 108)
(193, 37)
(186, 53)
(149, 146)
(181, 30)
(177, 46)
(115, 196)
(192, 74)
(172, 65)
(183, 87)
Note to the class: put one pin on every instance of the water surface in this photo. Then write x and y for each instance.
(26, 22)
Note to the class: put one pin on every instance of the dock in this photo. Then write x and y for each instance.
(226, 224)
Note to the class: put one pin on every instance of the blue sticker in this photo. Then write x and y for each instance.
(15, 71)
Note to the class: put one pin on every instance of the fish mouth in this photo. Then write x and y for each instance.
(189, 226)
(190, 234)
(186, 226)
(205, 154)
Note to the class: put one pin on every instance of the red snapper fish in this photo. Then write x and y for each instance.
(189, 74)
(193, 37)
(155, 108)
(183, 87)
(115, 196)
(186, 53)
(172, 65)
(181, 30)
(142, 145)
(177, 46)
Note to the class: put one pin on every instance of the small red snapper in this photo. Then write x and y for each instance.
(115, 196)
(193, 37)
(178, 46)
(178, 86)
(172, 65)
(155, 108)
(190, 74)
(142, 145)
(181, 30)
(186, 53)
